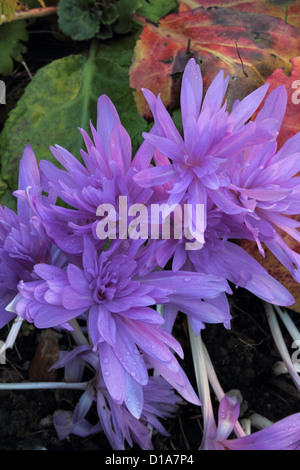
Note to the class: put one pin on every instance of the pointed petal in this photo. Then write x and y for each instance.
(113, 373)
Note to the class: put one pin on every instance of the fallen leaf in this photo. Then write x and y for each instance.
(275, 268)
(247, 46)
(286, 10)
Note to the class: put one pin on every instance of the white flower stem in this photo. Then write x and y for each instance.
(259, 421)
(201, 376)
(43, 385)
(213, 379)
(26, 15)
(288, 322)
(279, 341)
(12, 335)
(246, 426)
(77, 333)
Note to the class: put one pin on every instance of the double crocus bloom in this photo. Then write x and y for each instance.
(55, 270)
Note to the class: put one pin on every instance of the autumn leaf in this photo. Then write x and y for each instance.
(286, 10)
(8, 8)
(247, 46)
(291, 81)
(275, 268)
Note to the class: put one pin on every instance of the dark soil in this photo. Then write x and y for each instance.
(243, 358)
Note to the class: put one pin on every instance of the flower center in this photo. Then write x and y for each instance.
(103, 288)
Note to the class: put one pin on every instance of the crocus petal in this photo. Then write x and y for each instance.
(72, 299)
(274, 106)
(279, 436)
(191, 90)
(113, 372)
(155, 176)
(246, 108)
(166, 146)
(134, 397)
(215, 94)
(107, 117)
(229, 410)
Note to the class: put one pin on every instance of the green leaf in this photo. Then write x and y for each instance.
(153, 10)
(62, 97)
(105, 31)
(12, 36)
(78, 19)
(8, 200)
(109, 15)
(176, 115)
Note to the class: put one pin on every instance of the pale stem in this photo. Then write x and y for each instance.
(259, 421)
(12, 335)
(246, 426)
(280, 368)
(33, 13)
(289, 324)
(160, 310)
(201, 376)
(214, 381)
(77, 333)
(279, 341)
(44, 385)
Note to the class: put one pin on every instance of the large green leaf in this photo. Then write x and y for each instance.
(12, 38)
(62, 97)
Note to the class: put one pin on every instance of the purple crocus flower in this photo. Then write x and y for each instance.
(105, 175)
(121, 322)
(264, 182)
(119, 422)
(23, 242)
(220, 256)
(282, 435)
(211, 135)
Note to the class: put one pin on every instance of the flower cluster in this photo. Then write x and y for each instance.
(56, 272)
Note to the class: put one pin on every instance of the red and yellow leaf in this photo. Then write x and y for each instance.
(276, 269)
(247, 46)
(286, 10)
